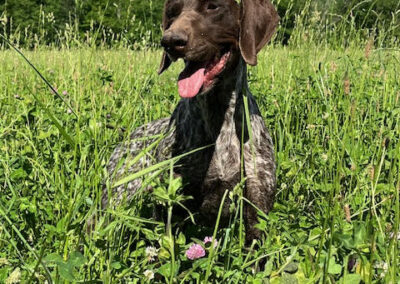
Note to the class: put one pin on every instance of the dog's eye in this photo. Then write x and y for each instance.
(212, 6)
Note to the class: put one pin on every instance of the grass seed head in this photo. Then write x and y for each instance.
(368, 47)
(346, 85)
(347, 213)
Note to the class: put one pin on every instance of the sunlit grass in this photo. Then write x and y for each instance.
(334, 117)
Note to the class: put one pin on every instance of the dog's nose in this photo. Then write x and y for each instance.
(174, 41)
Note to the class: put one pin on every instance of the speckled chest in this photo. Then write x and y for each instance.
(208, 173)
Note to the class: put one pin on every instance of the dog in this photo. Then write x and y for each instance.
(216, 39)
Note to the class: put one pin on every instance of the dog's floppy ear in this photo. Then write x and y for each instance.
(258, 21)
(165, 61)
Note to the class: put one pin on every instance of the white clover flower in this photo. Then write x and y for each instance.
(15, 277)
(4, 261)
(392, 235)
(151, 253)
(149, 274)
(382, 265)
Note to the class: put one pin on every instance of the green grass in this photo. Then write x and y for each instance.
(334, 117)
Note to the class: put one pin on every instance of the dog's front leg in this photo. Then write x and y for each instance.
(259, 165)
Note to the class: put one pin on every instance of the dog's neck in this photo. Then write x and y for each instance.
(221, 103)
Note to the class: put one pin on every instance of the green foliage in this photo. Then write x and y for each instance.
(30, 22)
(67, 268)
(137, 23)
(334, 117)
(332, 106)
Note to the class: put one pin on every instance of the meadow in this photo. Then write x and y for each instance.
(334, 117)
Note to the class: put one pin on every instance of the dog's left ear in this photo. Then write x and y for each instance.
(165, 61)
(258, 22)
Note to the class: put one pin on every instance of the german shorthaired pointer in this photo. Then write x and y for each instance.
(215, 38)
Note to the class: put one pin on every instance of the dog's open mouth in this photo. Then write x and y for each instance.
(200, 75)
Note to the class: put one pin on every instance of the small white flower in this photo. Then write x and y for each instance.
(393, 236)
(15, 277)
(151, 253)
(382, 265)
(149, 274)
(4, 261)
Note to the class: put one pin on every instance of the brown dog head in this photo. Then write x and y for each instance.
(207, 33)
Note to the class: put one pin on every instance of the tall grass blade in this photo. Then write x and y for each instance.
(162, 165)
(38, 72)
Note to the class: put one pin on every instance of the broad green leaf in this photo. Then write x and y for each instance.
(165, 270)
(116, 265)
(345, 239)
(360, 234)
(289, 279)
(352, 279)
(54, 257)
(76, 259)
(291, 267)
(269, 266)
(181, 240)
(66, 271)
(334, 268)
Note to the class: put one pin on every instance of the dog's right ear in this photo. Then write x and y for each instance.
(165, 61)
(258, 21)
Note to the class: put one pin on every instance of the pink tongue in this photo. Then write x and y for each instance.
(190, 86)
